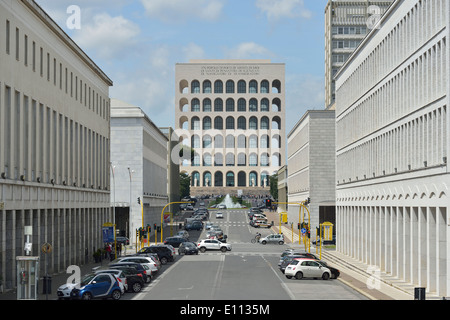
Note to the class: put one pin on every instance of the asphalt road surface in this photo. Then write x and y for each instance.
(247, 272)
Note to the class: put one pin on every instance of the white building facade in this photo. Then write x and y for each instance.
(311, 163)
(139, 154)
(393, 196)
(54, 142)
(232, 113)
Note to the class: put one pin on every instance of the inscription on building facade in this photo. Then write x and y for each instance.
(230, 70)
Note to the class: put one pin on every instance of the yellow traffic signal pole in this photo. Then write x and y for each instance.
(300, 213)
(162, 215)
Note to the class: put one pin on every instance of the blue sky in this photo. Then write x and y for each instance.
(138, 42)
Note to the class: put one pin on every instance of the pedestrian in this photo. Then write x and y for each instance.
(108, 250)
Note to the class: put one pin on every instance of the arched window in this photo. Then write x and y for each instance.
(264, 142)
(195, 123)
(253, 141)
(253, 105)
(218, 105)
(253, 179)
(264, 86)
(218, 123)
(218, 141)
(218, 160)
(264, 123)
(207, 179)
(195, 87)
(276, 86)
(207, 159)
(264, 179)
(207, 141)
(229, 141)
(207, 86)
(241, 179)
(242, 141)
(242, 105)
(276, 123)
(184, 105)
(206, 123)
(184, 86)
(230, 105)
(253, 86)
(242, 86)
(195, 105)
(218, 179)
(276, 159)
(229, 159)
(242, 123)
(265, 105)
(230, 123)
(242, 159)
(276, 141)
(276, 105)
(230, 86)
(207, 105)
(196, 162)
(264, 160)
(253, 123)
(195, 141)
(218, 86)
(253, 160)
(195, 179)
(230, 179)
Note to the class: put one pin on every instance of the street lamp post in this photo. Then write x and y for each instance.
(162, 215)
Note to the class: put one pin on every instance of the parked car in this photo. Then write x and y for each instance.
(187, 248)
(164, 253)
(219, 215)
(102, 285)
(307, 268)
(272, 238)
(262, 224)
(183, 233)
(145, 261)
(140, 269)
(291, 252)
(335, 273)
(120, 275)
(174, 241)
(135, 280)
(213, 244)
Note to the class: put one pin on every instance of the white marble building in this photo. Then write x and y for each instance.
(392, 144)
(54, 142)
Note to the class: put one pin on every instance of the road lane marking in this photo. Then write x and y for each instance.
(285, 287)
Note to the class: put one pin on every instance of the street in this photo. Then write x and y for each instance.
(247, 272)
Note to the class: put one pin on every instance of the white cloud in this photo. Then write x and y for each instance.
(248, 50)
(182, 10)
(110, 37)
(193, 51)
(279, 9)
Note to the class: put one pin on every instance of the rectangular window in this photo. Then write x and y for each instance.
(17, 43)
(41, 56)
(34, 56)
(25, 50)
(7, 44)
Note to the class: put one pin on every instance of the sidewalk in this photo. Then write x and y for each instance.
(357, 275)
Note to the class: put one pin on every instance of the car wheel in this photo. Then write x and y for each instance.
(280, 242)
(86, 296)
(223, 249)
(264, 242)
(115, 295)
(163, 260)
(326, 276)
(289, 277)
(298, 275)
(136, 287)
(202, 249)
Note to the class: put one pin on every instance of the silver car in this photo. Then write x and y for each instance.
(272, 238)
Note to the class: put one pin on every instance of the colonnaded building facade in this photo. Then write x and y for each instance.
(54, 138)
(232, 113)
(392, 142)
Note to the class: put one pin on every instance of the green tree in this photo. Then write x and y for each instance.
(185, 184)
(273, 182)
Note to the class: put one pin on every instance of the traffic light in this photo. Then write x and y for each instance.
(139, 200)
(268, 203)
(298, 226)
(308, 201)
(154, 226)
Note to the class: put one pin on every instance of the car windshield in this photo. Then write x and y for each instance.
(88, 278)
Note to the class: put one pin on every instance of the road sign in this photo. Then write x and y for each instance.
(303, 231)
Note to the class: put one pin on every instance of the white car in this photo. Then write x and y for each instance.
(213, 244)
(145, 261)
(306, 268)
(219, 215)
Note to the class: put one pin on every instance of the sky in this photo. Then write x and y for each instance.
(138, 42)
